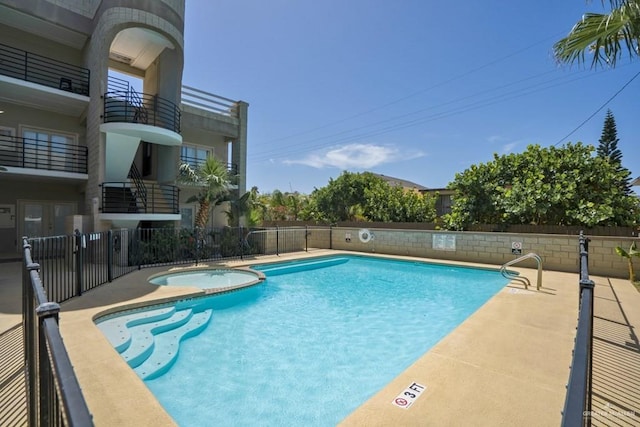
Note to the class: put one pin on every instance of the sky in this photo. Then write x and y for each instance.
(414, 89)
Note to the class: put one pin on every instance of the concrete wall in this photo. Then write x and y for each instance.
(14, 37)
(19, 115)
(558, 252)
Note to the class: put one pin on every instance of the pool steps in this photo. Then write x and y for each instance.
(142, 337)
(167, 346)
(149, 340)
(117, 331)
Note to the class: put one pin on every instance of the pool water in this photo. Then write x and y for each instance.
(206, 279)
(313, 343)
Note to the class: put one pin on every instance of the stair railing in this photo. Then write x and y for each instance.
(525, 281)
(141, 188)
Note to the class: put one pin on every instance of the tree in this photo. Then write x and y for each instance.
(342, 198)
(387, 203)
(605, 35)
(243, 206)
(608, 149)
(211, 179)
(628, 255)
(608, 143)
(559, 186)
(367, 197)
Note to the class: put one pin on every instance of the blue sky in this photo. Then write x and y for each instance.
(414, 89)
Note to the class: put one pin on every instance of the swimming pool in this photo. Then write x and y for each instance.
(316, 339)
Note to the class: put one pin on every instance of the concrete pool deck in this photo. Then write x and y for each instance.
(506, 365)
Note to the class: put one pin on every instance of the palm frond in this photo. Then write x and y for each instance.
(603, 35)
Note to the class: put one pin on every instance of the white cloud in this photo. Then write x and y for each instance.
(507, 148)
(355, 156)
(493, 139)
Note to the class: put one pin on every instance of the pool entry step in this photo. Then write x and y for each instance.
(149, 340)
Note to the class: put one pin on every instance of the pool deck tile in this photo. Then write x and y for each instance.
(505, 365)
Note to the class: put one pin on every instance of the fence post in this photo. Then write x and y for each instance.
(80, 242)
(277, 241)
(138, 251)
(306, 238)
(110, 256)
(197, 243)
(241, 234)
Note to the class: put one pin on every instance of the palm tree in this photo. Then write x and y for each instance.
(243, 207)
(211, 178)
(628, 255)
(606, 35)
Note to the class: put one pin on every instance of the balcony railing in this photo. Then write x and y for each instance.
(45, 155)
(209, 102)
(34, 68)
(124, 197)
(194, 162)
(124, 104)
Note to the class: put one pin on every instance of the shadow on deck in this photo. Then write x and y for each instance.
(13, 402)
(616, 362)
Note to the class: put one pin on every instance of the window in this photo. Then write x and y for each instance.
(193, 155)
(48, 149)
(186, 217)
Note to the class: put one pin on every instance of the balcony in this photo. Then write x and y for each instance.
(140, 198)
(34, 80)
(30, 67)
(25, 153)
(122, 104)
(209, 102)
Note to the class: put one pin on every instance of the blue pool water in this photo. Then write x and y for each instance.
(206, 279)
(316, 340)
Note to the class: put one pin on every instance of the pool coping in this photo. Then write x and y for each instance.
(507, 364)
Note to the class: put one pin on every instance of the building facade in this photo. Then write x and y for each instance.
(81, 147)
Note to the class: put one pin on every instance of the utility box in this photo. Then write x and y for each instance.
(7, 216)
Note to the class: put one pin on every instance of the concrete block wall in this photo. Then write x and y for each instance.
(319, 237)
(558, 252)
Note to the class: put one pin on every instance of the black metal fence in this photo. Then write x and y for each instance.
(34, 68)
(577, 406)
(72, 265)
(54, 397)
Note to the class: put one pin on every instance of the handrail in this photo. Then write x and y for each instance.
(133, 107)
(506, 273)
(577, 405)
(31, 153)
(119, 197)
(54, 396)
(141, 189)
(208, 101)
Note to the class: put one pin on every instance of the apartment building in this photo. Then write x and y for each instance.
(80, 146)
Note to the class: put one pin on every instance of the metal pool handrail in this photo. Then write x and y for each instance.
(506, 273)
